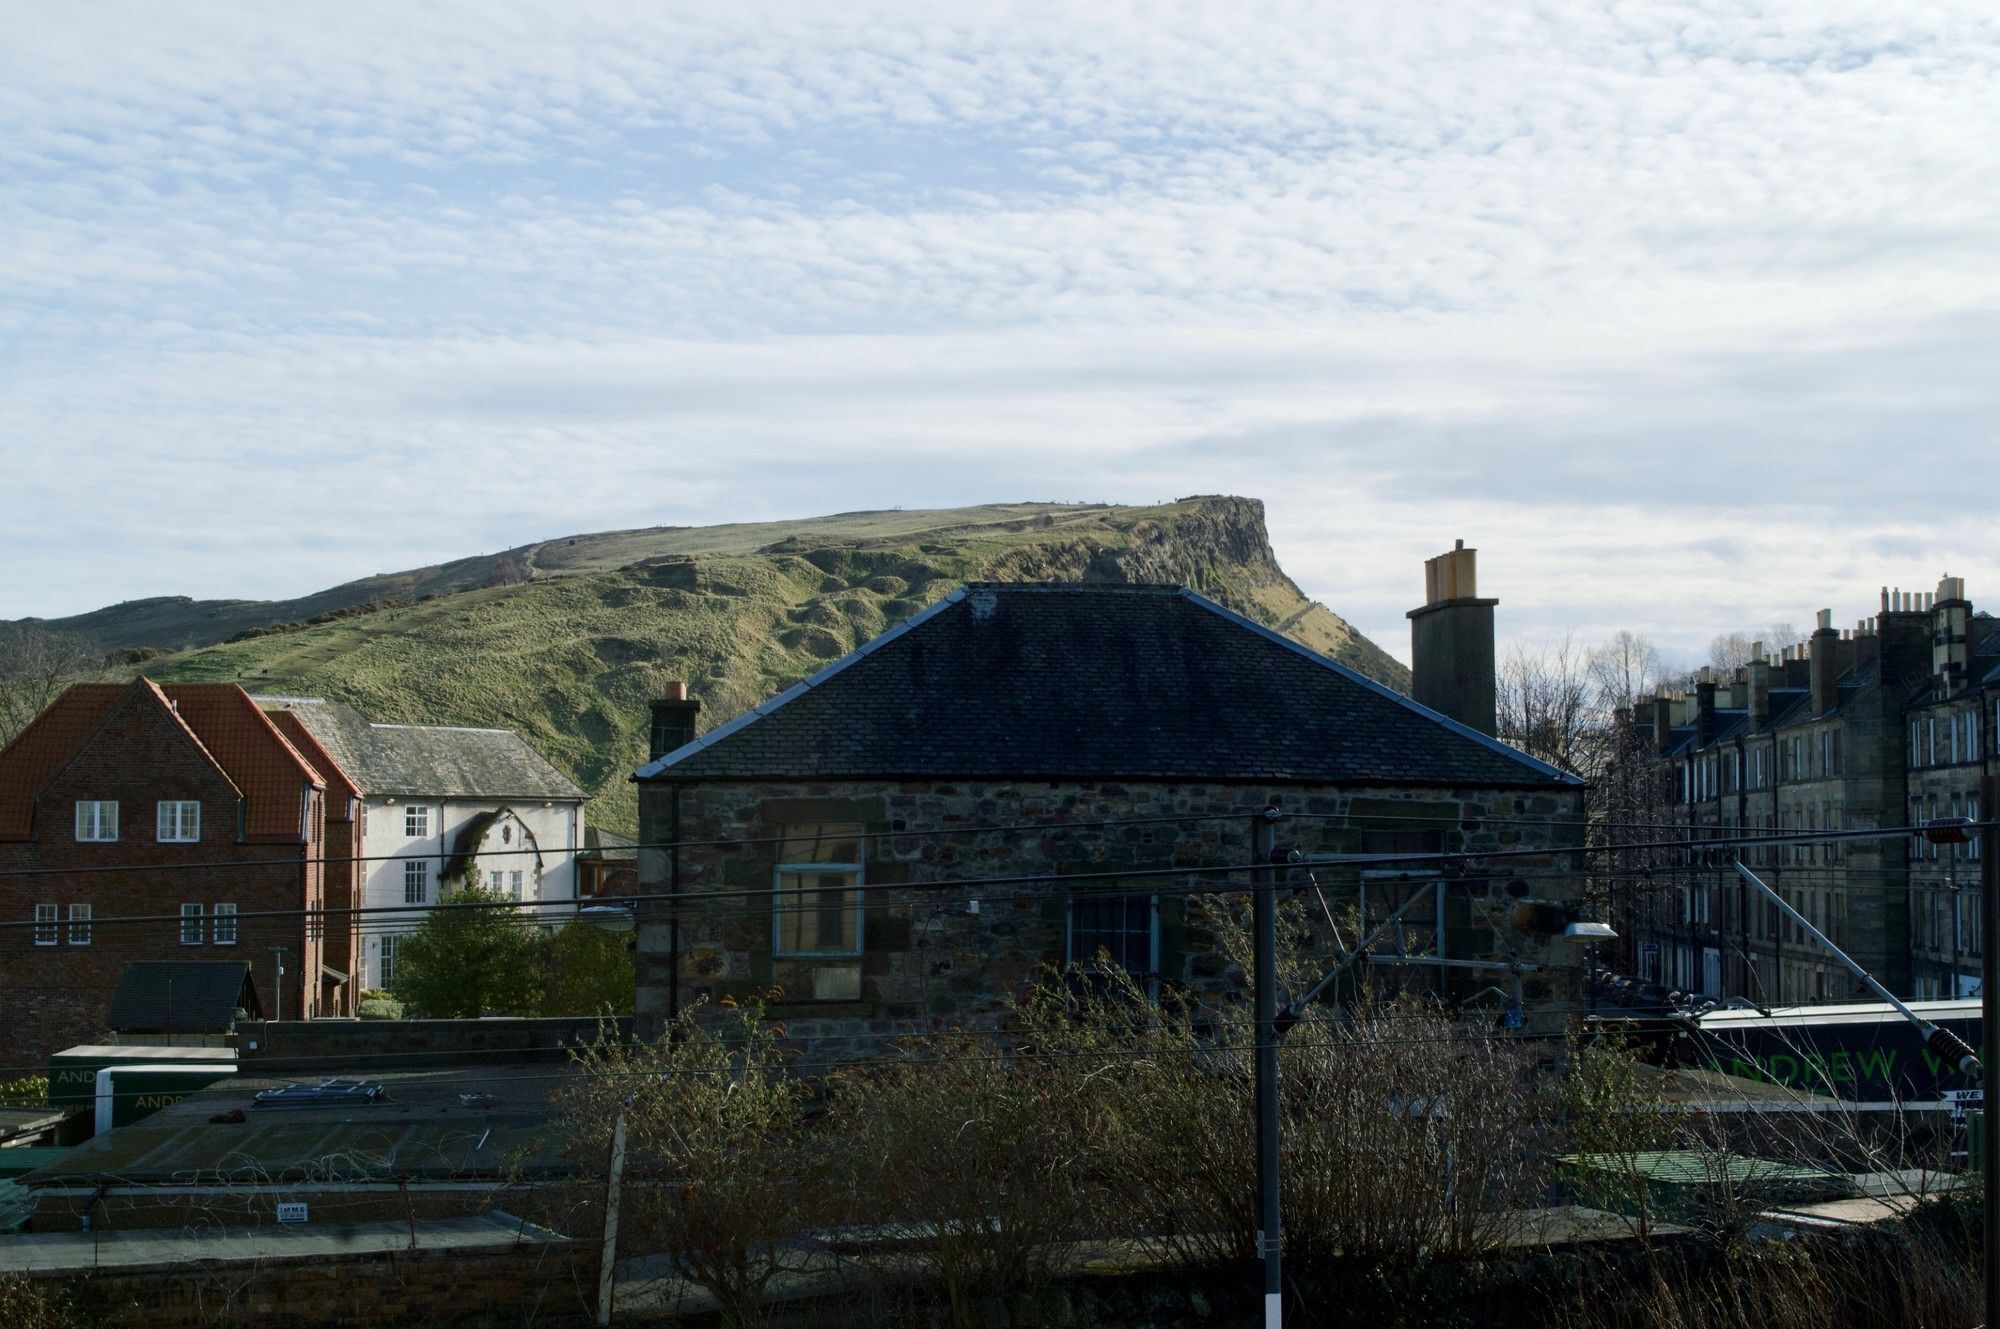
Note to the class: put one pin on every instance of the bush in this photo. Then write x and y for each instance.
(378, 1004)
(721, 1175)
(28, 1091)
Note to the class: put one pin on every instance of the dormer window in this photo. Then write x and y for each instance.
(97, 820)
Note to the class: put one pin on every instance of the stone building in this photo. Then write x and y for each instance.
(180, 806)
(1885, 725)
(1023, 736)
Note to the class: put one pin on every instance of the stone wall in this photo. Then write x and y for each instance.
(932, 959)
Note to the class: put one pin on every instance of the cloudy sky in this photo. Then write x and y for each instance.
(1687, 315)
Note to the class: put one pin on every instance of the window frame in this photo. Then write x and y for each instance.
(97, 806)
(48, 924)
(417, 875)
(1151, 901)
(195, 914)
(220, 910)
(160, 824)
(514, 884)
(854, 887)
(417, 821)
(79, 924)
(385, 963)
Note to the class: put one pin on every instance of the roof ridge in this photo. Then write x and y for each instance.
(1383, 689)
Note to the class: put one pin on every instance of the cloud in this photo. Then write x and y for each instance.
(1681, 310)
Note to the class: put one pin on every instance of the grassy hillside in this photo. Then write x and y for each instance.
(571, 654)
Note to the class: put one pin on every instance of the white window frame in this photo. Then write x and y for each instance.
(48, 924)
(779, 893)
(514, 884)
(416, 881)
(79, 925)
(496, 881)
(91, 818)
(225, 909)
(385, 964)
(191, 924)
(177, 821)
(417, 821)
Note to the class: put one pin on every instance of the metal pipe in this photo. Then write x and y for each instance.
(1270, 1234)
(1989, 1019)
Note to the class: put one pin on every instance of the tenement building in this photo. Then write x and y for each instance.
(1028, 778)
(1887, 725)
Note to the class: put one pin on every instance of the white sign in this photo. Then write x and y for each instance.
(291, 1212)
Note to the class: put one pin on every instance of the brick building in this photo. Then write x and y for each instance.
(1888, 724)
(844, 806)
(179, 804)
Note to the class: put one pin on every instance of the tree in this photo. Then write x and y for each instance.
(1731, 650)
(1547, 703)
(36, 665)
(1624, 669)
(467, 962)
(589, 972)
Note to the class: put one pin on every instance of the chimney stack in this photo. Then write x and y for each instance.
(1451, 642)
(1704, 708)
(674, 715)
(1951, 639)
(1823, 671)
(1757, 677)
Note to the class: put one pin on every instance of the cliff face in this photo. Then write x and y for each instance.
(570, 644)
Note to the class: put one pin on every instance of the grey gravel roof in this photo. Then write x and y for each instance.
(1109, 682)
(435, 761)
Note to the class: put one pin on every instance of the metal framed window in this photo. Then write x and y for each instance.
(97, 820)
(816, 891)
(1116, 929)
(46, 931)
(191, 915)
(416, 821)
(223, 927)
(416, 883)
(79, 925)
(179, 821)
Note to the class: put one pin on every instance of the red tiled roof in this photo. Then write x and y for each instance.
(220, 717)
(248, 747)
(339, 784)
(45, 747)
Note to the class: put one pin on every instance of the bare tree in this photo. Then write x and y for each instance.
(1624, 669)
(36, 665)
(1731, 650)
(1548, 702)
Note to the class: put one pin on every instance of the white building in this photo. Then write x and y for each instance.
(444, 807)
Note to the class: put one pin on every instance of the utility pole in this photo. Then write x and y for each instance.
(1989, 1021)
(278, 980)
(1264, 917)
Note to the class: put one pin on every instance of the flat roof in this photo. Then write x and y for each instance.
(41, 1252)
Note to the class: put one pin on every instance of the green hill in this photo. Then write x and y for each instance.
(567, 640)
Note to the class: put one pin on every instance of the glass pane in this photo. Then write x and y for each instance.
(818, 913)
(821, 842)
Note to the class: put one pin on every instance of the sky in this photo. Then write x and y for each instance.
(1687, 315)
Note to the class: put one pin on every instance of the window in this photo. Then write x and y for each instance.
(1117, 929)
(79, 925)
(494, 880)
(96, 820)
(45, 925)
(190, 925)
(514, 884)
(817, 901)
(224, 926)
(179, 821)
(388, 968)
(416, 883)
(416, 821)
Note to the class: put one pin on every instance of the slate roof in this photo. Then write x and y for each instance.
(1096, 682)
(182, 997)
(436, 761)
(268, 772)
